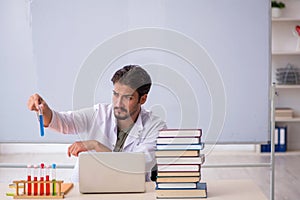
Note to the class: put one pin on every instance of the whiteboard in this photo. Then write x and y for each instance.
(209, 61)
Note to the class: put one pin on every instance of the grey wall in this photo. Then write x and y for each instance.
(209, 61)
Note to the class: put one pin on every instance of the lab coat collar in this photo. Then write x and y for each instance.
(134, 133)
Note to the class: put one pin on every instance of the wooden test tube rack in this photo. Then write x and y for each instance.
(23, 183)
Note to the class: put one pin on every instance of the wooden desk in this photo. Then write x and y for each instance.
(217, 190)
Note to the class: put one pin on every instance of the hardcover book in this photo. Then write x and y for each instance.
(178, 173)
(177, 153)
(178, 140)
(180, 133)
(178, 168)
(181, 160)
(176, 185)
(180, 146)
(177, 179)
(199, 192)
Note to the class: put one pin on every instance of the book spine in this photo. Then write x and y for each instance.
(177, 153)
(174, 179)
(178, 140)
(181, 160)
(180, 146)
(178, 168)
(180, 133)
(177, 185)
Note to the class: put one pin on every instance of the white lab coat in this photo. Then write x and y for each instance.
(99, 123)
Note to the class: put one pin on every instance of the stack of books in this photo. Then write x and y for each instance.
(283, 113)
(179, 163)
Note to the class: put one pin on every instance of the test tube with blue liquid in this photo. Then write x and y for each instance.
(41, 119)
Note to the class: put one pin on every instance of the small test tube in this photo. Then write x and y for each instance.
(53, 179)
(35, 175)
(42, 174)
(29, 171)
(47, 172)
(41, 120)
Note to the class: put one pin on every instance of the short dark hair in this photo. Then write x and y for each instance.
(135, 77)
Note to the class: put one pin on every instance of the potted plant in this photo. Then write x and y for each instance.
(276, 8)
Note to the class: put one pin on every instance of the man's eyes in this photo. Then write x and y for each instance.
(125, 97)
(128, 97)
(115, 94)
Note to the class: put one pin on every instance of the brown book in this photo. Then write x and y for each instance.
(178, 168)
(174, 179)
(284, 112)
(177, 153)
(178, 173)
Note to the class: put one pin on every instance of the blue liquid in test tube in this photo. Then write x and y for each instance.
(41, 119)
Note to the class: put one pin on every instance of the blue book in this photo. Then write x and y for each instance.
(280, 140)
(282, 133)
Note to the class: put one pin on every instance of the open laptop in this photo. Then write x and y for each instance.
(111, 172)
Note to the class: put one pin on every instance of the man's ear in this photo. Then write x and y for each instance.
(143, 99)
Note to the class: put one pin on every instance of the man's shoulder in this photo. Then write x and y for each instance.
(103, 110)
(103, 107)
(151, 123)
(149, 116)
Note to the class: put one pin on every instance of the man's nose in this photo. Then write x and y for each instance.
(119, 102)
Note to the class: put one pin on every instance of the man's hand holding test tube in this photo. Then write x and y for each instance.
(36, 103)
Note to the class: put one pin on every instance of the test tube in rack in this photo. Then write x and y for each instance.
(47, 172)
(42, 174)
(29, 171)
(53, 179)
(35, 185)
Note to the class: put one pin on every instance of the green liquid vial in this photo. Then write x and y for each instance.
(54, 193)
(53, 187)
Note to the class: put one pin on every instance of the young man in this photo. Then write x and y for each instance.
(121, 126)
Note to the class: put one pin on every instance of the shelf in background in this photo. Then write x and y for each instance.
(290, 52)
(287, 86)
(285, 19)
(282, 119)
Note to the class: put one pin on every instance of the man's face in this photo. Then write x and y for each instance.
(125, 101)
